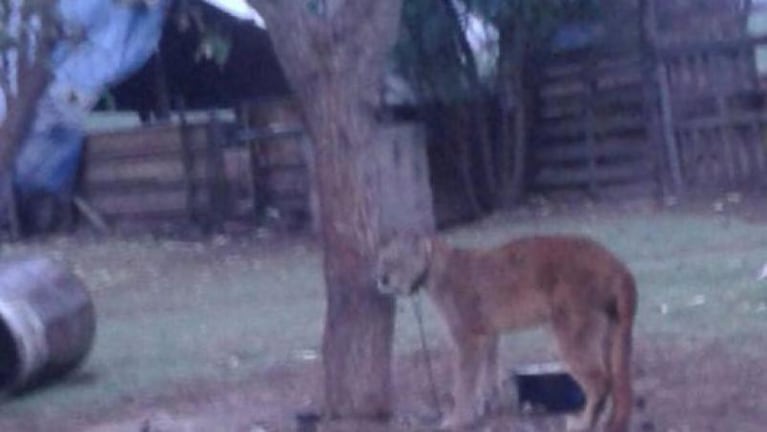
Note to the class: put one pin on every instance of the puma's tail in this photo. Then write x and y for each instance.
(620, 355)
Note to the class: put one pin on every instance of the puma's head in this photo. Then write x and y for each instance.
(402, 265)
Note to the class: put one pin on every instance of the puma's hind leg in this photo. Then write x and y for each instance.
(582, 339)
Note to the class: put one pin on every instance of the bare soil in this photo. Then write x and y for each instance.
(681, 385)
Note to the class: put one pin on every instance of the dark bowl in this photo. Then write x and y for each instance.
(547, 388)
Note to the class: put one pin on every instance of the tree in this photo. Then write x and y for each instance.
(487, 105)
(334, 54)
(25, 49)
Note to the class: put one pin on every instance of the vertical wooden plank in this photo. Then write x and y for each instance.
(698, 164)
(669, 138)
(654, 131)
(746, 157)
(703, 169)
(720, 81)
(725, 148)
(759, 150)
(313, 193)
(700, 69)
(218, 194)
(683, 140)
(187, 159)
(590, 128)
(661, 72)
(254, 160)
(716, 171)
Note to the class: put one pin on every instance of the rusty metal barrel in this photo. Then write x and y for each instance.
(47, 322)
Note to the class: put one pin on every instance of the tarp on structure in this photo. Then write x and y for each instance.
(117, 38)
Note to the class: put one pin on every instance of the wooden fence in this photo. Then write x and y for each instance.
(590, 128)
(207, 173)
(280, 161)
(713, 114)
(679, 109)
(257, 170)
(147, 173)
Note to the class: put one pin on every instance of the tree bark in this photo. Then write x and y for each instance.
(359, 323)
(334, 60)
(20, 115)
(20, 112)
(32, 76)
(32, 55)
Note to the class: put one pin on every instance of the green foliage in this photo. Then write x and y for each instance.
(427, 53)
(215, 42)
(214, 46)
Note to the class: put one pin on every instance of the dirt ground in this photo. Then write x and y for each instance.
(692, 386)
(697, 368)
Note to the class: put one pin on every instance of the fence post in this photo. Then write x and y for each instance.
(667, 121)
(660, 72)
(589, 123)
(187, 158)
(217, 188)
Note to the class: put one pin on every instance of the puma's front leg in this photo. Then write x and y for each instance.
(468, 361)
(490, 385)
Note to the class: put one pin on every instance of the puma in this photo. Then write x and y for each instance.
(583, 293)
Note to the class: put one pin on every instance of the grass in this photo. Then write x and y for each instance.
(171, 312)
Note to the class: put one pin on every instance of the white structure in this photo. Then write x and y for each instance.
(239, 9)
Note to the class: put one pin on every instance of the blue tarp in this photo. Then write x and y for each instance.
(118, 38)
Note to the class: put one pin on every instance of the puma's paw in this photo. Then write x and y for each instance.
(455, 423)
(577, 423)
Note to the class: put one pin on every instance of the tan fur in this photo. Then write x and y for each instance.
(577, 287)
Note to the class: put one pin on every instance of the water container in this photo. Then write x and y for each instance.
(47, 322)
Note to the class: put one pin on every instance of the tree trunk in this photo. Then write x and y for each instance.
(359, 325)
(30, 63)
(32, 80)
(462, 155)
(512, 82)
(20, 112)
(20, 115)
(478, 107)
(334, 59)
